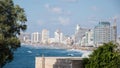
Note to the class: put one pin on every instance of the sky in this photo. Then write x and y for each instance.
(66, 14)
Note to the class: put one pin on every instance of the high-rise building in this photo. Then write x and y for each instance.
(25, 37)
(58, 36)
(104, 33)
(79, 33)
(65, 39)
(87, 39)
(36, 37)
(114, 31)
(45, 36)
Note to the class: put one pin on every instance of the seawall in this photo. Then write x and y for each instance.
(58, 62)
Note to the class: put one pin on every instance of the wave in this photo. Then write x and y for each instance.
(77, 50)
(29, 51)
(86, 54)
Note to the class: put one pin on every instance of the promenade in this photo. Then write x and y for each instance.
(61, 46)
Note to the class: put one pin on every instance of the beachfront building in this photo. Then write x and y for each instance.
(87, 39)
(51, 40)
(114, 31)
(79, 33)
(35, 37)
(58, 35)
(104, 33)
(45, 36)
(25, 37)
(69, 41)
(65, 37)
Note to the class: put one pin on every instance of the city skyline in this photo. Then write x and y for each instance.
(102, 33)
(66, 14)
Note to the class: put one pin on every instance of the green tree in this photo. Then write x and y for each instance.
(12, 21)
(105, 56)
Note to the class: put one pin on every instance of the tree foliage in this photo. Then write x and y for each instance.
(12, 21)
(105, 56)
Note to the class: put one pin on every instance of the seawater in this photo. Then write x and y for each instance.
(24, 57)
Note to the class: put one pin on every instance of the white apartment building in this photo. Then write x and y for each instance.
(58, 35)
(87, 39)
(25, 37)
(45, 36)
(35, 37)
(79, 33)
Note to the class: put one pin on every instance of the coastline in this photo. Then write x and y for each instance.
(84, 50)
(59, 46)
(28, 53)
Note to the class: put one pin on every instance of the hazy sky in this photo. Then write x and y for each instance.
(66, 14)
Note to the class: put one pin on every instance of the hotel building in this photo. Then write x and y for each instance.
(104, 33)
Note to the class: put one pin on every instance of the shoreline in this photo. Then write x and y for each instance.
(71, 48)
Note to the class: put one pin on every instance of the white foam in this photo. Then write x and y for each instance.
(86, 54)
(29, 51)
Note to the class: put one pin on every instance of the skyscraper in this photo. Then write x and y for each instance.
(104, 33)
(45, 36)
(87, 40)
(114, 31)
(35, 37)
(58, 36)
(25, 37)
(79, 33)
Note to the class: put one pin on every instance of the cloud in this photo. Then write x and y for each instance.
(68, 12)
(92, 21)
(95, 8)
(93, 18)
(63, 20)
(47, 6)
(40, 22)
(54, 9)
(57, 10)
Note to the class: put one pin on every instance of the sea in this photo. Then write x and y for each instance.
(24, 57)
